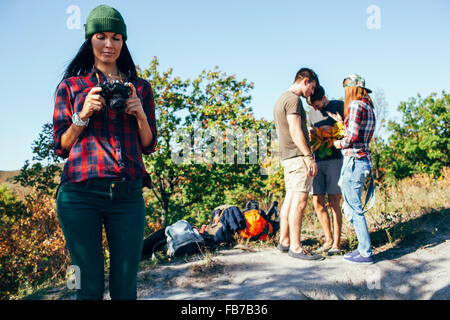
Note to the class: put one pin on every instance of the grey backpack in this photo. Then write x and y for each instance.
(183, 239)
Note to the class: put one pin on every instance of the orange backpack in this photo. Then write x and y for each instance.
(258, 228)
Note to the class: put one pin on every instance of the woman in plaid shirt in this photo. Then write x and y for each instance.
(359, 125)
(102, 180)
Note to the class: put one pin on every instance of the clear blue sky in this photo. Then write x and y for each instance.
(265, 42)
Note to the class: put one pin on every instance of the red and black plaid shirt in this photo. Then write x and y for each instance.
(110, 147)
(359, 128)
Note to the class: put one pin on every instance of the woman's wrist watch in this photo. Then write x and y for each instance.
(77, 120)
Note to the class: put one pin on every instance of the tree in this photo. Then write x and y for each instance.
(205, 116)
(46, 168)
(421, 143)
(377, 143)
(380, 107)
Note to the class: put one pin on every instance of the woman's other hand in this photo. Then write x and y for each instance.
(134, 105)
(92, 103)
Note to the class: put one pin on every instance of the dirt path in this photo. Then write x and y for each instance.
(415, 267)
(418, 269)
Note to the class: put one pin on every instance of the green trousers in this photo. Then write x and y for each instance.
(82, 210)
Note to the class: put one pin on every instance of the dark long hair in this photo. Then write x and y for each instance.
(84, 60)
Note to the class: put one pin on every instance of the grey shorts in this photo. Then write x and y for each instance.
(326, 180)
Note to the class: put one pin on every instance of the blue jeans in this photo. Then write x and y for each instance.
(353, 175)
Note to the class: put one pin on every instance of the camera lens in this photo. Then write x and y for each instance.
(117, 104)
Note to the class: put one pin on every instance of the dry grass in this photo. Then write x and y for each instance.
(405, 200)
(410, 197)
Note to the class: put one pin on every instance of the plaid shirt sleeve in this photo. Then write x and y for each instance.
(352, 132)
(148, 105)
(62, 117)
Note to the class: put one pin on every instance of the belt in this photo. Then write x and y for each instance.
(108, 185)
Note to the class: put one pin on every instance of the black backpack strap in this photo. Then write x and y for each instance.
(273, 210)
(151, 241)
(158, 244)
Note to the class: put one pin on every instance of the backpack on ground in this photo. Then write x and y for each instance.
(183, 239)
(154, 242)
(215, 225)
(225, 220)
(272, 214)
(259, 225)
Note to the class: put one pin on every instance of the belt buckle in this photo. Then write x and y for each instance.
(118, 181)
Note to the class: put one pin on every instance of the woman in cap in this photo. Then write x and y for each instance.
(102, 180)
(359, 125)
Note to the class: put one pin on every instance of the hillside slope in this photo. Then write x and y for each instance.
(418, 267)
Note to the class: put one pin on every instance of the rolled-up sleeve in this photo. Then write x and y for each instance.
(62, 117)
(149, 109)
(352, 131)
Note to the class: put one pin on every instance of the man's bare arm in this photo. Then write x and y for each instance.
(296, 132)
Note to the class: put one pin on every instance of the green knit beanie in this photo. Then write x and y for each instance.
(105, 19)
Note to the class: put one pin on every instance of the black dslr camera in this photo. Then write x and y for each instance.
(115, 94)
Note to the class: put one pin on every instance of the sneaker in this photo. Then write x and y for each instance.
(359, 259)
(305, 255)
(333, 251)
(323, 249)
(282, 248)
(351, 254)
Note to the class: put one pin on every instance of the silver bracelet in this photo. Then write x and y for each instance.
(77, 120)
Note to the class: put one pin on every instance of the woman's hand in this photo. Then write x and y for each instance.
(336, 117)
(92, 103)
(134, 105)
(337, 144)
